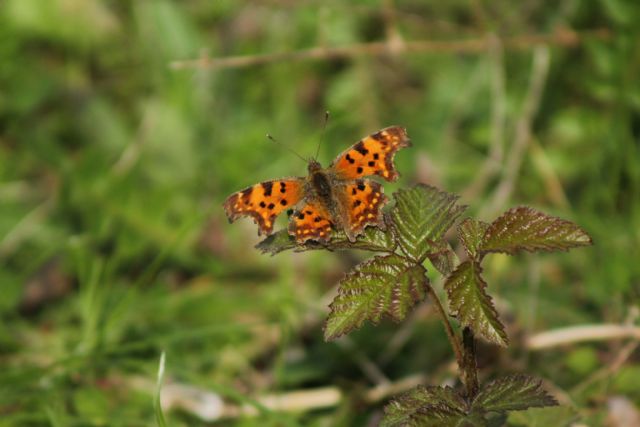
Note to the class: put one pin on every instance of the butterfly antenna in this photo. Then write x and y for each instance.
(324, 128)
(289, 149)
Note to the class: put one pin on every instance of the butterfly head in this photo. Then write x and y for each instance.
(314, 166)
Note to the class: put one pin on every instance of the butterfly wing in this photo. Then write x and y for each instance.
(372, 155)
(263, 202)
(312, 221)
(361, 203)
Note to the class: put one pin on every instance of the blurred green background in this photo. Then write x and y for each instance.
(115, 160)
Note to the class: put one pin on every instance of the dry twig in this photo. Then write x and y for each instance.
(575, 334)
(562, 37)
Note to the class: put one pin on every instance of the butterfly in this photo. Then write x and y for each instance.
(335, 198)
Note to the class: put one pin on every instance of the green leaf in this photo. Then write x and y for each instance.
(471, 232)
(385, 285)
(524, 228)
(373, 239)
(279, 241)
(426, 406)
(472, 306)
(421, 216)
(512, 393)
(443, 259)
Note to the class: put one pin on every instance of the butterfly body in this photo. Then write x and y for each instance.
(336, 197)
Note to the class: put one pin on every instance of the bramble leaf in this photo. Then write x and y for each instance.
(277, 242)
(426, 406)
(471, 232)
(421, 216)
(512, 393)
(524, 228)
(472, 306)
(442, 258)
(373, 239)
(385, 285)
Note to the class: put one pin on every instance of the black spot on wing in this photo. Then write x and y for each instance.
(267, 186)
(359, 147)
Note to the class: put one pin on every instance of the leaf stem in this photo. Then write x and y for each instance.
(469, 367)
(453, 340)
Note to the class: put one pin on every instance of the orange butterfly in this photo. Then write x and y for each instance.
(333, 198)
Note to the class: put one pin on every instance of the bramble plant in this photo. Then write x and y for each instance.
(391, 283)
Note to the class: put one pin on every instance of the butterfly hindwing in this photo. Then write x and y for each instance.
(264, 201)
(372, 155)
(311, 221)
(363, 200)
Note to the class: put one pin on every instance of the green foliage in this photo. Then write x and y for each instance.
(421, 216)
(471, 233)
(471, 304)
(373, 239)
(388, 285)
(443, 406)
(512, 393)
(557, 416)
(426, 406)
(523, 228)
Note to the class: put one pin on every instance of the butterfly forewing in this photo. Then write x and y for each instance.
(372, 155)
(263, 202)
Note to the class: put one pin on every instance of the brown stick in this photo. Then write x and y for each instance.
(469, 367)
(562, 37)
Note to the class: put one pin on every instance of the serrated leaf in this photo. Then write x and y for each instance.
(426, 406)
(385, 285)
(469, 302)
(471, 232)
(373, 239)
(277, 242)
(524, 228)
(512, 393)
(442, 258)
(421, 216)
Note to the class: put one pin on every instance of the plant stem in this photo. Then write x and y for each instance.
(453, 340)
(469, 368)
